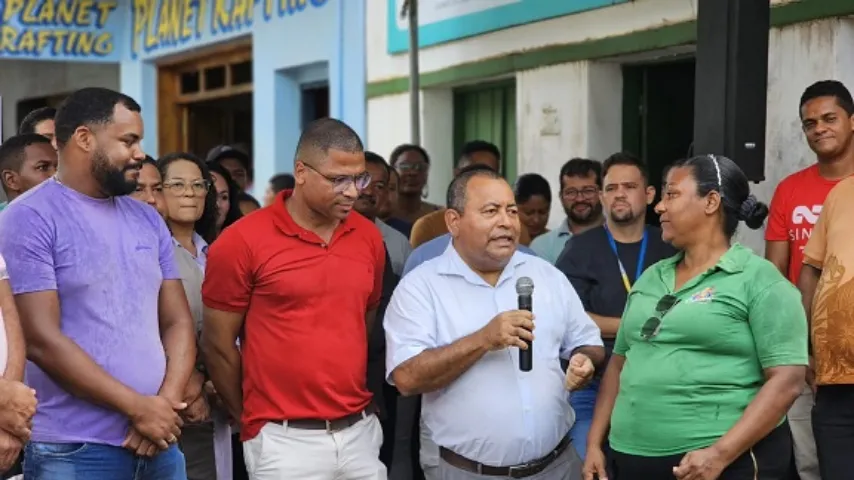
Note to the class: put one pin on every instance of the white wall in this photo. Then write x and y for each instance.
(798, 56)
(25, 79)
(565, 111)
(580, 27)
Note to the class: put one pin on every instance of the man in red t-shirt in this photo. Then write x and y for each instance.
(299, 283)
(827, 117)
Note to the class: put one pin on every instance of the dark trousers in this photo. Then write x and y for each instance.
(772, 454)
(238, 463)
(833, 427)
(415, 444)
(388, 420)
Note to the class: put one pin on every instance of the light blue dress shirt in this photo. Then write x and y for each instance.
(434, 248)
(493, 413)
(549, 245)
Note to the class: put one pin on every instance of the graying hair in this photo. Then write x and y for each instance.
(457, 190)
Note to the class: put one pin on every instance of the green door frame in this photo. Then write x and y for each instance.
(476, 118)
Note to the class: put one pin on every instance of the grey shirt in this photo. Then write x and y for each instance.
(397, 245)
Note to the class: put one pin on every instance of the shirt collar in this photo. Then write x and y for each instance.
(563, 229)
(732, 261)
(450, 263)
(285, 222)
(198, 241)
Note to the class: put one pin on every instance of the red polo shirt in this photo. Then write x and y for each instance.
(304, 342)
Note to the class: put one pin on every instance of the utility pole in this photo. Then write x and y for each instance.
(410, 10)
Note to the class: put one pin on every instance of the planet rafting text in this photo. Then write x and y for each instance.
(57, 28)
(159, 24)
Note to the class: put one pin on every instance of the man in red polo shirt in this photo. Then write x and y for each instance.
(299, 283)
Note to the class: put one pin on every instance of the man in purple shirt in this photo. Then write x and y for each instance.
(110, 340)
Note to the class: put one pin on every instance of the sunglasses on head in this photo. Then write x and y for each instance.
(653, 325)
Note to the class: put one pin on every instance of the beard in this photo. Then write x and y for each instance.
(587, 217)
(626, 216)
(113, 181)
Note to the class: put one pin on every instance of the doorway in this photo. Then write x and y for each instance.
(225, 120)
(207, 101)
(315, 102)
(488, 112)
(658, 116)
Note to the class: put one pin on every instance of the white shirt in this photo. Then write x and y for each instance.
(493, 413)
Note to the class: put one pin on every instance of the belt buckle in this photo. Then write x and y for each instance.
(330, 428)
(518, 471)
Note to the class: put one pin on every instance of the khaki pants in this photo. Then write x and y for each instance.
(800, 421)
(282, 453)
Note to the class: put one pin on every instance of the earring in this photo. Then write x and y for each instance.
(425, 192)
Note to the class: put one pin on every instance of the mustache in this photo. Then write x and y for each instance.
(501, 236)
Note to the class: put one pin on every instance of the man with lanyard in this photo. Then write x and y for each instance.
(590, 258)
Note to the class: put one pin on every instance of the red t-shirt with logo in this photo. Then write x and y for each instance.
(795, 208)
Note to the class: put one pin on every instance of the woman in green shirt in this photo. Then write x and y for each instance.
(712, 347)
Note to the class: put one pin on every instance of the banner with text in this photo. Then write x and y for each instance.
(89, 30)
(441, 21)
(112, 30)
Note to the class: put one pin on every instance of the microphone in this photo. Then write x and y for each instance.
(525, 290)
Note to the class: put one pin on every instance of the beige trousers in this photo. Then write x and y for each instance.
(800, 422)
(282, 453)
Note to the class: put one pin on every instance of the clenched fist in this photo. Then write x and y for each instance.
(580, 372)
(509, 329)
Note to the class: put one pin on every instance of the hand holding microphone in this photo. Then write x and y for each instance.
(515, 328)
(509, 329)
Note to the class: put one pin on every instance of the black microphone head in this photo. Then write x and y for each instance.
(524, 286)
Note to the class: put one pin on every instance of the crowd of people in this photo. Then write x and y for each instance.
(159, 323)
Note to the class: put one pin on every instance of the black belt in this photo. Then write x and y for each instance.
(517, 471)
(331, 426)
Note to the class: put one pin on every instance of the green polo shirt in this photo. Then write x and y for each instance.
(687, 386)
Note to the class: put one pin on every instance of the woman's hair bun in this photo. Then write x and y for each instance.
(752, 212)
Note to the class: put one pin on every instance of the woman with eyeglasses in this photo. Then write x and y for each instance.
(191, 214)
(711, 350)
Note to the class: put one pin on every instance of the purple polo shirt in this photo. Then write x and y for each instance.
(106, 259)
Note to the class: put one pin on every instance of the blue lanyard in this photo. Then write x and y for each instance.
(626, 282)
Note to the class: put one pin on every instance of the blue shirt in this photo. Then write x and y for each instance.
(493, 413)
(550, 244)
(435, 247)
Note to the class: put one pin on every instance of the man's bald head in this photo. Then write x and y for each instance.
(323, 135)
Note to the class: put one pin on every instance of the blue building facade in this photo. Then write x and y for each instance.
(294, 43)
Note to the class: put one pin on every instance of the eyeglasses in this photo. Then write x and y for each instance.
(411, 167)
(178, 187)
(340, 183)
(586, 192)
(653, 325)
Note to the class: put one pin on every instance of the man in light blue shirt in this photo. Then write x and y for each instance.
(579, 179)
(454, 334)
